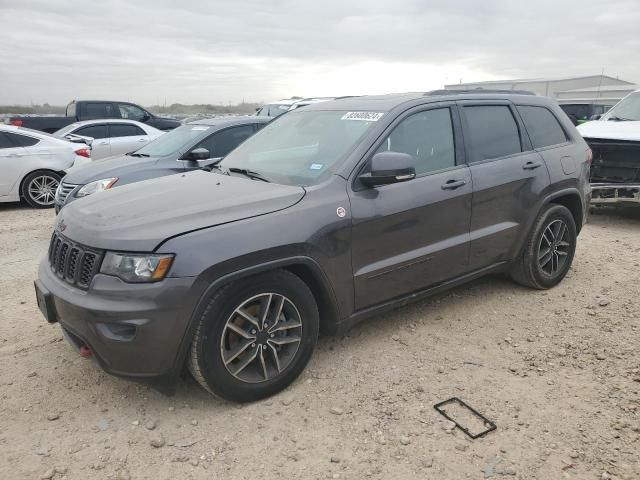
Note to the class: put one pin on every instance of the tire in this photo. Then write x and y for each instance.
(548, 251)
(38, 188)
(222, 351)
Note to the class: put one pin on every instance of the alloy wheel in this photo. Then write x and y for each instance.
(42, 189)
(261, 338)
(554, 248)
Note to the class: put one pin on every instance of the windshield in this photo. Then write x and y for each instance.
(64, 130)
(626, 109)
(173, 141)
(302, 147)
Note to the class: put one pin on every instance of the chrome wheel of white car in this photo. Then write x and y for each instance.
(39, 189)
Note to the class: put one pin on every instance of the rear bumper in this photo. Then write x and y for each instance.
(616, 193)
(134, 330)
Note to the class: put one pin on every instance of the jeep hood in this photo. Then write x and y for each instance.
(628, 130)
(140, 216)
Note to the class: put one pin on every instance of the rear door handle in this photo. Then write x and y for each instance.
(531, 165)
(453, 184)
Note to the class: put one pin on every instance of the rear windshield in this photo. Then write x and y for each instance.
(176, 140)
(65, 130)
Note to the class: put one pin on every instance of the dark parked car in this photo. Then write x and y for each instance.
(330, 214)
(583, 112)
(189, 147)
(79, 110)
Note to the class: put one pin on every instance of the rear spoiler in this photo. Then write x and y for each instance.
(79, 139)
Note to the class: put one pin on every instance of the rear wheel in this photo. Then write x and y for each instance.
(255, 336)
(39, 188)
(549, 249)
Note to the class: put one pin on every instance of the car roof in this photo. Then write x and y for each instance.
(385, 103)
(230, 120)
(108, 120)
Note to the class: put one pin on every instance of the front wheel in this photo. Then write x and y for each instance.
(255, 336)
(549, 249)
(39, 188)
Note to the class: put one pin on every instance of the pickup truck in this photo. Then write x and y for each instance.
(79, 110)
(615, 141)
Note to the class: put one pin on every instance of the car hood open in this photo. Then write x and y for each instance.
(628, 130)
(140, 216)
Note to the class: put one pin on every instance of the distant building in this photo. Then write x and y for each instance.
(593, 89)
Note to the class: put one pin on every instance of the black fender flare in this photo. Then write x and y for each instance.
(220, 282)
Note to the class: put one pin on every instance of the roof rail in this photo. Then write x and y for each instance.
(476, 91)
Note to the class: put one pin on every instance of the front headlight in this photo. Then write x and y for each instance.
(134, 267)
(96, 186)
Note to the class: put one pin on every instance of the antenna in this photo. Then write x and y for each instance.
(600, 82)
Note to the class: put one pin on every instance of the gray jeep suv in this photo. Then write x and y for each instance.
(330, 214)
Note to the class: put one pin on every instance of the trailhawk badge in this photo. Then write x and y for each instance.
(341, 212)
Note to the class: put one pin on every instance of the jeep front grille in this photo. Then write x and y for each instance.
(63, 191)
(74, 263)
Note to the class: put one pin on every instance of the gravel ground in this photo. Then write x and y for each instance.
(558, 372)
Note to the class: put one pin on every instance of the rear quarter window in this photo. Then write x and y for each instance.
(542, 126)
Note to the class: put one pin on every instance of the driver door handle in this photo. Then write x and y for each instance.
(531, 165)
(453, 184)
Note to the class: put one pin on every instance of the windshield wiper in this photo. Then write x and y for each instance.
(134, 154)
(248, 173)
(619, 119)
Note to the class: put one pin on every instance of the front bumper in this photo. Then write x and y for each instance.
(616, 193)
(135, 331)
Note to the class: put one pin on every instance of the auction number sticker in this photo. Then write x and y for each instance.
(363, 116)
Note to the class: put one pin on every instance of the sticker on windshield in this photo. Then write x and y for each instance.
(200, 128)
(316, 166)
(363, 116)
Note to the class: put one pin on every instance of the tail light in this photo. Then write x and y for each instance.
(16, 122)
(589, 156)
(83, 152)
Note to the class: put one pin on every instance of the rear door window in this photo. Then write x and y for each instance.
(492, 130)
(98, 110)
(5, 142)
(125, 130)
(22, 140)
(93, 131)
(542, 126)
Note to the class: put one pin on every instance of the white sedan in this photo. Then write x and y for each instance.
(111, 137)
(32, 164)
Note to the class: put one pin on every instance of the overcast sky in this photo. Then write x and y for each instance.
(221, 51)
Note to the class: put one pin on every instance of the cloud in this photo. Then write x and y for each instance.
(226, 51)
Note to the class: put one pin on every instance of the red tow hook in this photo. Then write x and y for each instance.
(85, 351)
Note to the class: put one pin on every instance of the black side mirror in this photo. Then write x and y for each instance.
(197, 154)
(145, 117)
(389, 167)
(595, 117)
